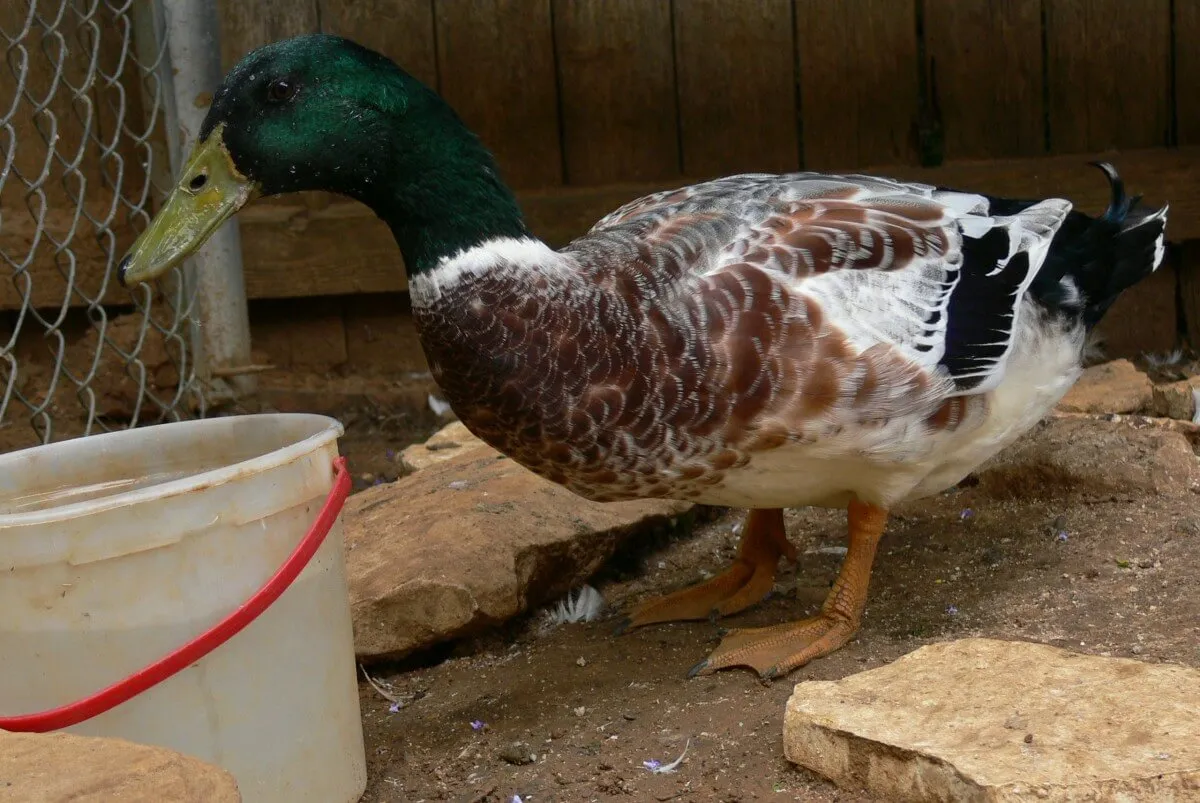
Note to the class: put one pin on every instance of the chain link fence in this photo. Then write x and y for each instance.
(83, 101)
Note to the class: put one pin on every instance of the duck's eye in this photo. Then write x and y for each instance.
(281, 90)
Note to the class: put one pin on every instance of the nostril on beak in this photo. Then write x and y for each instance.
(121, 270)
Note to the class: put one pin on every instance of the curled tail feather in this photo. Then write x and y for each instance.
(1094, 259)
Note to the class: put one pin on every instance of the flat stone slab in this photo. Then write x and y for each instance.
(64, 768)
(1111, 387)
(986, 720)
(470, 540)
(441, 446)
(1068, 455)
(1179, 400)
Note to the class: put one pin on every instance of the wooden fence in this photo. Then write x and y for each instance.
(588, 103)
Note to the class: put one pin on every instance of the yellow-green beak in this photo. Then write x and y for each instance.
(210, 191)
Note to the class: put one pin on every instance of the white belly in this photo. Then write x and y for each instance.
(1045, 362)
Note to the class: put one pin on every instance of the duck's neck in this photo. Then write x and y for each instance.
(442, 194)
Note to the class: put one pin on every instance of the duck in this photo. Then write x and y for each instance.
(756, 341)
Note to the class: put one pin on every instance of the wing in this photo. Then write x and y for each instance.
(925, 274)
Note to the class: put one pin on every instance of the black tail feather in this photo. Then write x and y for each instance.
(1092, 260)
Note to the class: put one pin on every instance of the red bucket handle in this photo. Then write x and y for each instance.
(96, 704)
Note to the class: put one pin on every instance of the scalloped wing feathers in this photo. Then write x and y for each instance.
(945, 279)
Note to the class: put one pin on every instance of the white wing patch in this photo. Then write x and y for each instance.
(906, 309)
(910, 308)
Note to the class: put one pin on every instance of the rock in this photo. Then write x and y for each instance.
(470, 540)
(1178, 400)
(442, 445)
(985, 720)
(1190, 430)
(1071, 455)
(1113, 387)
(517, 753)
(61, 767)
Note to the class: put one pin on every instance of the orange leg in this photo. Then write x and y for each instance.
(744, 583)
(775, 651)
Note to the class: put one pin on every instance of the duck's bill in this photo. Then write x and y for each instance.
(210, 191)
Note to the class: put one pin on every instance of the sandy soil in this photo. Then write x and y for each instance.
(572, 714)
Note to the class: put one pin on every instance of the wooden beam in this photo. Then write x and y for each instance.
(1188, 266)
(1161, 175)
(292, 250)
(297, 247)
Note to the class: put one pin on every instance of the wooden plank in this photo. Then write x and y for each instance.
(737, 113)
(986, 60)
(617, 77)
(380, 336)
(1143, 319)
(299, 333)
(246, 25)
(306, 247)
(402, 30)
(1108, 74)
(1189, 287)
(277, 265)
(292, 249)
(496, 68)
(289, 250)
(1187, 72)
(859, 93)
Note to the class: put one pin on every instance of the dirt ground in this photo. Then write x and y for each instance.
(572, 714)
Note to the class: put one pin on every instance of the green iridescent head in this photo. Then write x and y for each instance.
(320, 112)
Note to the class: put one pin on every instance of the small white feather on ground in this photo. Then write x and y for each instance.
(439, 406)
(584, 606)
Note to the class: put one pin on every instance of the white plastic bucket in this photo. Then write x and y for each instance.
(117, 549)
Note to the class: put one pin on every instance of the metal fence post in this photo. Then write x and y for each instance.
(221, 322)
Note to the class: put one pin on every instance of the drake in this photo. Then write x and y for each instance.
(757, 341)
